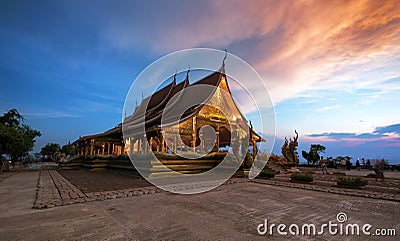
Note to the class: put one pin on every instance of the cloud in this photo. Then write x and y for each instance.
(296, 46)
(382, 136)
(302, 44)
(326, 108)
(51, 115)
(388, 129)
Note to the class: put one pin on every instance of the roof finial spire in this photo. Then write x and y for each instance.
(187, 73)
(223, 63)
(176, 71)
(226, 54)
(142, 95)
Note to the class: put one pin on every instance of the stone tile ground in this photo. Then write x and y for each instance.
(230, 212)
(54, 190)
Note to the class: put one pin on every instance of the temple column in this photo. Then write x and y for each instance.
(162, 141)
(174, 144)
(132, 141)
(91, 146)
(135, 148)
(102, 149)
(151, 144)
(194, 132)
(217, 141)
(86, 150)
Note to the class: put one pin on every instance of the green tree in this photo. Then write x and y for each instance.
(313, 156)
(49, 150)
(68, 149)
(16, 137)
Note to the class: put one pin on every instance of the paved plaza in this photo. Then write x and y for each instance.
(46, 206)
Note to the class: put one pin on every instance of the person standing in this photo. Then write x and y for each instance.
(379, 167)
(368, 164)
(343, 163)
(322, 162)
(358, 165)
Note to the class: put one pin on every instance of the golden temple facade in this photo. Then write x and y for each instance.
(147, 130)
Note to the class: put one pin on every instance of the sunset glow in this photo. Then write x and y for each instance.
(332, 67)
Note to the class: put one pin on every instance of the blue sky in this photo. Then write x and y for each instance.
(332, 69)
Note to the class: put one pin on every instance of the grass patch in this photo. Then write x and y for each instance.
(266, 173)
(302, 177)
(339, 173)
(371, 175)
(352, 182)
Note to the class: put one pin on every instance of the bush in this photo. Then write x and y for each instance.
(355, 182)
(371, 175)
(339, 173)
(301, 177)
(210, 156)
(266, 173)
(248, 161)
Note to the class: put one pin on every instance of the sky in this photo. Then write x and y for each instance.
(332, 68)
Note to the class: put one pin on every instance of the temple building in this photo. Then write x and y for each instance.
(102, 144)
(180, 129)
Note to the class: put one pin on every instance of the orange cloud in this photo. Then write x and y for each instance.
(297, 44)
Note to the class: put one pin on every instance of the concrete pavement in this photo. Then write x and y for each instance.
(230, 212)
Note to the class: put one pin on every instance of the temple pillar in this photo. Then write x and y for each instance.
(102, 149)
(162, 142)
(217, 141)
(194, 132)
(174, 150)
(254, 149)
(86, 150)
(131, 148)
(91, 147)
(151, 143)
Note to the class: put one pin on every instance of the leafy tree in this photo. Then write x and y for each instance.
(37, 156)
(313, 156)
(49, 150)
(16, 137)
(68, 149)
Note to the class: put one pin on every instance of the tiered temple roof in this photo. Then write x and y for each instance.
(148, 115)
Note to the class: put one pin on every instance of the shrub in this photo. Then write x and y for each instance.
(371, 175)
(339, 173)
(266, 173)
(248, 160)
(301, 177)
(210, 156)
(355, 182)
